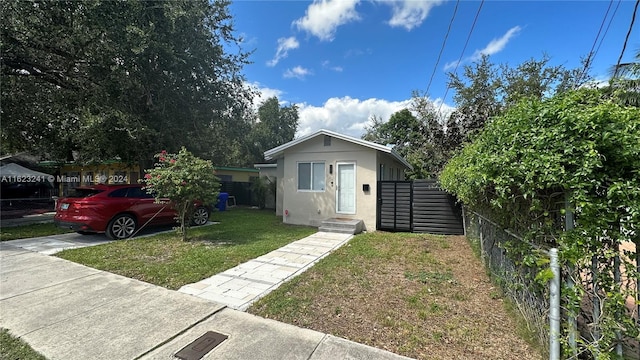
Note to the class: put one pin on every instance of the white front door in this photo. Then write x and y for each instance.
(346, 194)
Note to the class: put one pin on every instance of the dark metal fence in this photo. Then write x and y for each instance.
(394, 206)
(417, 206)
(241, 191)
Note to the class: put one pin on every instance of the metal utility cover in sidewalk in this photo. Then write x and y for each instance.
(201, 346)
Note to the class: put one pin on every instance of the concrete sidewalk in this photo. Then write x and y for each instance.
(68, 311)
(244, 284)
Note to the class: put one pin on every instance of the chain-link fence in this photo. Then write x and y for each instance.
(514, 274)
(508, 258)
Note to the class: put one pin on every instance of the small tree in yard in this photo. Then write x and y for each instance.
(184, 180)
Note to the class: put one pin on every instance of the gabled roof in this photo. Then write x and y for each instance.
(279, 150)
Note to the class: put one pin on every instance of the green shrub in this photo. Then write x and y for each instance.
(580, 147)
(183, 179)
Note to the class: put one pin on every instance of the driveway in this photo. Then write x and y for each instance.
(52, 244)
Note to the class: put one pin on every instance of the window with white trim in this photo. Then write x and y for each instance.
(311, 176)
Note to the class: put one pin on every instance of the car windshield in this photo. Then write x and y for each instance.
(83, 192)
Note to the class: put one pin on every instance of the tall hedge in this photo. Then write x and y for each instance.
(581, 148)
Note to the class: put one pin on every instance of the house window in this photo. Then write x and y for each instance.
(311, 176)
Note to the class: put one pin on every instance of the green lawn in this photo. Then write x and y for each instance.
(165, 260)
(421, 296)
(12, 348)
(29, 231)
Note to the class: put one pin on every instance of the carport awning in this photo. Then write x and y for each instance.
(11, 172)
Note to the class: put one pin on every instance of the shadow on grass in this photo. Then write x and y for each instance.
(166, 260)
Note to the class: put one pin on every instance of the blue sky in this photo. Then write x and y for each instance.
(343, 61)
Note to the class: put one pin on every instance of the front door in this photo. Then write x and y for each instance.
(346, 194)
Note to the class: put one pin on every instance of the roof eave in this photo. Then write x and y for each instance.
(278, 151)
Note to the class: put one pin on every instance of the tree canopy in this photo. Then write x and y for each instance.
(625, 82)
(416, 134)
(95, 80)
(486, 89)
(428, 139)
(276, 125)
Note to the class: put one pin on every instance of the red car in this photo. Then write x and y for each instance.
(117, 210)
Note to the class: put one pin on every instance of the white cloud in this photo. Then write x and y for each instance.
(494, 46)
(323, 17)
(351, 116)
(345, 115)
(263, 93)
(452, 65)
(284, 45)
(327, 65)
(297, 72)
(444, 109)
(410, 13)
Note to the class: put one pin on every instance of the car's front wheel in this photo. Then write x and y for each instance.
(121, 227)
(200, 216)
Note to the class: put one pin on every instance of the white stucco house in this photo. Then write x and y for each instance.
(327, 175)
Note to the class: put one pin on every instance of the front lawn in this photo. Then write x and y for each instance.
(12, 348)
(421, 296)
(29, 231)
(165, 260)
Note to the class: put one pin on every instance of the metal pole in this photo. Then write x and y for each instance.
(481, 233)
(554, 307)
(464, 221)
(616, 278)
(572, 320)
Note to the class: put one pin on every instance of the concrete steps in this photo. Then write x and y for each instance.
(342, 226)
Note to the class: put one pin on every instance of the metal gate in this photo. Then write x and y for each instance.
(419, 206)
(394, 206)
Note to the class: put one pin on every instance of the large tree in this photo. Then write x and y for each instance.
(275, 126)
(415, 133)
(93, 80)
(485, 90)
(625, 82)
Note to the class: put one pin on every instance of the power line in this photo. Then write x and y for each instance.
(595, 42)
(462, 53)
(455, 10)
(615, 11)
(626, 39)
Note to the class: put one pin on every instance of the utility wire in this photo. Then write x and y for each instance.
(592, 55)
(462, 53)
(444, 42)
(626, 39)
(615, 11)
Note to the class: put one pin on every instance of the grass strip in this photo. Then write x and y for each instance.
(167, 261)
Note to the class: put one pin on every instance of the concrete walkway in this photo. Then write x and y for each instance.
(244, 284)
